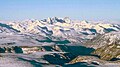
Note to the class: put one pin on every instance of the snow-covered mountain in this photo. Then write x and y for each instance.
(54, 30)
(104, 39)
(7, 29)
(64, 27)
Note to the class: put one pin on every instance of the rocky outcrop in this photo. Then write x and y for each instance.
(88, 59)
(21, 49)
(108, 52)
(93, 61)
(11, 50)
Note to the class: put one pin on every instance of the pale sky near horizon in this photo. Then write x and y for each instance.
(75, 9)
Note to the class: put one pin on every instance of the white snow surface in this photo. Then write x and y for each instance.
(53, 28)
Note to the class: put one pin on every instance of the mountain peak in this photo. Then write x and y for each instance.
(84, 22)
(67, 20)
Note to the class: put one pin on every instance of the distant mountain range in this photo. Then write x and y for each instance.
(56, 29)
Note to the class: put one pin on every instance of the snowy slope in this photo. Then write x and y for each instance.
(104, 39)
(56, 29)
(64, 27)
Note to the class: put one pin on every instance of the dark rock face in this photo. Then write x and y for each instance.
(11, 49)
(2, 50)
(17, 49)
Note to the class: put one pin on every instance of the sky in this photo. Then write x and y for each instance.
(75, 9)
